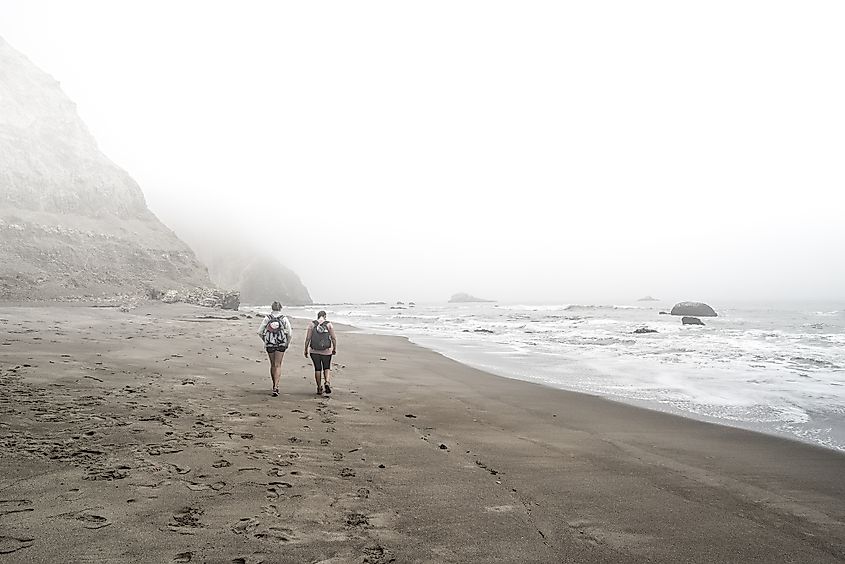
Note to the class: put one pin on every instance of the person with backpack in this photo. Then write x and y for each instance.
(321, 344)
(276, 332)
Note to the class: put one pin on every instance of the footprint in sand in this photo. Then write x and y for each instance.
(280, 484)
(9, 545)
(279, 534)
(186, 520)
(183, 557)
(275, 473)
(245, 525)
(271, 510)
(222, 463)
(198, 487)
(92, 520)
(8, 506)
(179, 469)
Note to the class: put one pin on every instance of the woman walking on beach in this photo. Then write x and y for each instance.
(321, 344)
(275, 332)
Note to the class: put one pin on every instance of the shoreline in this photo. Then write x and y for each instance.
(648, 404)
(150, 436)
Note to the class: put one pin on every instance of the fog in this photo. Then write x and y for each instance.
(529, 152)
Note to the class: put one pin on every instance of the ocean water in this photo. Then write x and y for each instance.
(775, 368)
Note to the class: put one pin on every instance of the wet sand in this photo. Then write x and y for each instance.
(151, 436)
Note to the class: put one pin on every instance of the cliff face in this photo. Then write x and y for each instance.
(72, 223)
(261, 279)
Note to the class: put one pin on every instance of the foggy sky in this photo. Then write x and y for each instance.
(542, 151)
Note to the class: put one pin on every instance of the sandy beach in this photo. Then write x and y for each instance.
(151, 436)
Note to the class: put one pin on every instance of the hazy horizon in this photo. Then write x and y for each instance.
(548, 152)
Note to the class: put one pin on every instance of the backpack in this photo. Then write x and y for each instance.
(274, 334)
(321, 339)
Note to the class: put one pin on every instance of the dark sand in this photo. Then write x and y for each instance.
(151, 436)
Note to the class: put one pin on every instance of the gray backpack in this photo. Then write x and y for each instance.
(274, 334)
(321, 339)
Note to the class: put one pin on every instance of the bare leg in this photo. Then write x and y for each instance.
(273, 377)
(317, 379)
(277, 364)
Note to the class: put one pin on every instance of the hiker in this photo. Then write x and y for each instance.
(321, 344)
(275, 331)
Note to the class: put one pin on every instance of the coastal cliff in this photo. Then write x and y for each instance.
(72, 223)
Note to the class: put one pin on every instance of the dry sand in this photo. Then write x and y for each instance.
(151, 436)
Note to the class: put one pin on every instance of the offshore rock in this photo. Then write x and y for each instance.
(696, 309)
(691, 321)
(466, 298)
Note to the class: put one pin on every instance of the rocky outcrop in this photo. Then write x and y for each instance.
(696, 309)
(72, 223)
(648, 299)
(691, 321)
(644, 330)
(466, 298)
(207, 297)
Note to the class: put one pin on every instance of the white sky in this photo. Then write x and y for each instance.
(525, 151)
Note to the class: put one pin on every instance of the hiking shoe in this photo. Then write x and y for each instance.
(328, 388)
(275, 392)
(319, 390)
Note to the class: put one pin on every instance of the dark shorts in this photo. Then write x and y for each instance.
(321, 362)
(273, 349)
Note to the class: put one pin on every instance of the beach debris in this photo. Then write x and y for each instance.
(377, 554)
(383, 358)
(357, 520)
(410, 416)
(484, 466)
(443, 446)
